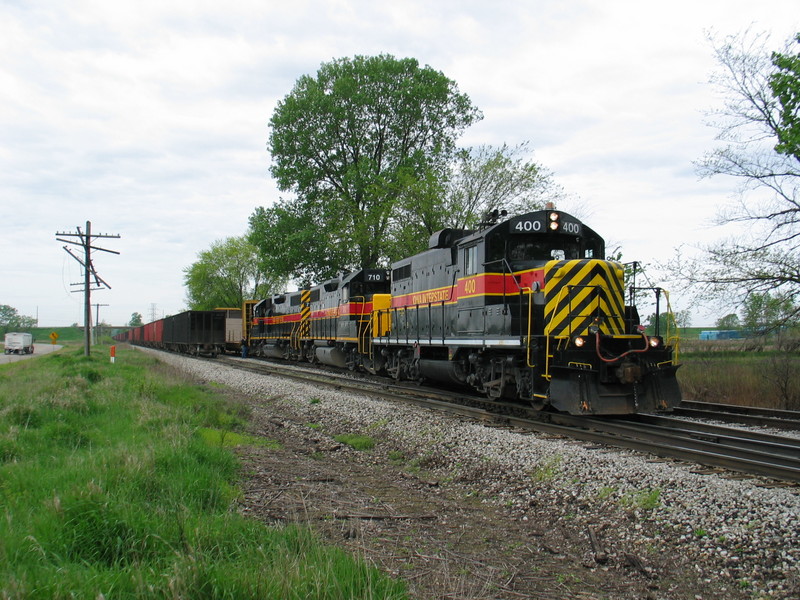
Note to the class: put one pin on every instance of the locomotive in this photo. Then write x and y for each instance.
(525, 308)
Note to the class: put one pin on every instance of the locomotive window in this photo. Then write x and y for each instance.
(403, 272)
(495, 250)
(471, 260)
(522, 249)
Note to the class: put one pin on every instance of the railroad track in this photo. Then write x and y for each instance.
(746, 415)
(754, 453)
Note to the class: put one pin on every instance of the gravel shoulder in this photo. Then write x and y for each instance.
(458, 509)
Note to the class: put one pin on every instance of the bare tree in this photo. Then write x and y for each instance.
(751, 123)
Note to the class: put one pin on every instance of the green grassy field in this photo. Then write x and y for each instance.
(114, 484)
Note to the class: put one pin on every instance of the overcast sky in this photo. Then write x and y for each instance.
(149, 119)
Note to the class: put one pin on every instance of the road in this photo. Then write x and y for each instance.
(38, 350)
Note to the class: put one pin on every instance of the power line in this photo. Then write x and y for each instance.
(91, 280)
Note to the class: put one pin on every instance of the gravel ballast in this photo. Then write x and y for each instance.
(740, 536)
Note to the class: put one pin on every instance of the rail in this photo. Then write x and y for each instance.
(755, 453)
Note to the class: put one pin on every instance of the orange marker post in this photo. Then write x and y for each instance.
(113, 353)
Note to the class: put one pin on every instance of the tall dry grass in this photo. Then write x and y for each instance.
(754, 372)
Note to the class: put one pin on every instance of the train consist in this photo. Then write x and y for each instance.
(525, 308)
(196, 332)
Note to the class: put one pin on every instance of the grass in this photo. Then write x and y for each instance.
(547, 470)
(769, 378)
(648, 499)
(356, 441)
(118, 481)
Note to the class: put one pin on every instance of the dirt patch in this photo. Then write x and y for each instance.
(437, 535)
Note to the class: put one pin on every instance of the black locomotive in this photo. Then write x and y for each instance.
(527, 308)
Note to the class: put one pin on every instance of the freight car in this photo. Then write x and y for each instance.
(201, 333)
(525, 308)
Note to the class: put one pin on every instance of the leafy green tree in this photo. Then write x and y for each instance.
(765, 312)
(785, 84)
(11, 320)
(730, 321)
(477, 181)
(485, 178)
(348, 143)
(227, 274)
(294, 241)
(136, 320)
(758, 128)
(669, 322)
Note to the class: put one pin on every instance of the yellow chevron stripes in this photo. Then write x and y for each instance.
(305, 313)
(577, 292)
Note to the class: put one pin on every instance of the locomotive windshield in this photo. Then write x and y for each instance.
(538, 237)
(538, 249)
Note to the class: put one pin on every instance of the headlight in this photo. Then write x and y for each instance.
(579, 342)
(553, 216)
(655, 342)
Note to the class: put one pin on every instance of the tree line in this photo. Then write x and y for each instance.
(11, 320)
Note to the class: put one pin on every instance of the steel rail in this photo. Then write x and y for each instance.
(742, 438)
(754, 453)
(747, 415)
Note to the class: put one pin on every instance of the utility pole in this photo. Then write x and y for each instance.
(89, 272)
(97, 320)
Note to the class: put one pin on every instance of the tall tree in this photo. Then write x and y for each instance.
(477, 181)
(785, 84)
(764, 312)
(349, 142)
(758, 127)
(729, 321)
(486, 178)
(227, 274)
(10, 319)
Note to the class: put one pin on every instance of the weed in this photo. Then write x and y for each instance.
(314, 401)
(356, 441)
(378, 424)
(647, 499)
(547, 470)
(606, 492)
(224, 438)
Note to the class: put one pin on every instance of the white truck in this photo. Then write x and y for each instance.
(19, 343)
